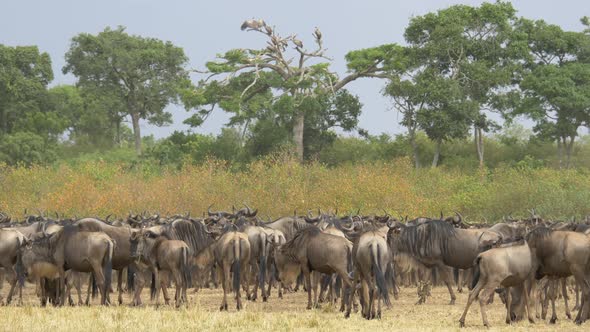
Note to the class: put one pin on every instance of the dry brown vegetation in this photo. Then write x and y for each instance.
(288, 314)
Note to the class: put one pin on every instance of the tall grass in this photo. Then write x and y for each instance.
(279, 185)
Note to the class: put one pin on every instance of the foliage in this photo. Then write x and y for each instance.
(144, 74)
(279, 184)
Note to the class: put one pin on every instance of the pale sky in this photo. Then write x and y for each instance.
(206, 28)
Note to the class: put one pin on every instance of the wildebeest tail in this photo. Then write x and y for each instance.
(19, 269)
(108, 268)
(337, 284)
(390, 275)
(94, 285)
(130, 279)
(456, 275)
(375, 251)
(476, 272)
(236, 266)
(185, 267)
(262, 263)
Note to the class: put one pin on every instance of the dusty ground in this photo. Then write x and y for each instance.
(286, 314)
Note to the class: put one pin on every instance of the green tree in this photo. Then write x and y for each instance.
(471, 46)
(144, 74)
(288, 78)
(555, 86)
(24, 75)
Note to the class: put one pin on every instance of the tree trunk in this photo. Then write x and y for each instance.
(569, 147)
(4, 119)
(412, 136)
(298, 127)
(136, 132)
(118, 133)
(560, 152)
(436, 153)
(478, 133)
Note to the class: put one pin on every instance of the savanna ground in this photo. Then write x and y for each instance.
(288, 314)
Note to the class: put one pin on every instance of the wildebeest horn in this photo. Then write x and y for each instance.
(56, 215)
(188, 214)
(441, 215)
(209, 211)
(336, 212)
(386, 213)
(459, 215)
(107, 218)
(295, 213)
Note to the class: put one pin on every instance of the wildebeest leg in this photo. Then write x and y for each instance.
(508, 304)
(565, 297)
(553, 296)
(89, 289)
(139, 281)
(245, 280)
(100, 282)
(316, 276)
(179, 286)
(577, 290)
(459, 280)
(447, 277)
(527, 301)
(254, 272)
(164, 281)
(120, 285)
(483, 299)
(78, 284)
(225, 283)
(156, 282)
(307, 277)
(324, 284)
(584, 282)
(472, 296)
(349, 292)
(12, 280)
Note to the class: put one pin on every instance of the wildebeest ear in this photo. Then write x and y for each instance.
(134, 235)
(150, 234)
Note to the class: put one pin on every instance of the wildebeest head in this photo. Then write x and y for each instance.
(288, 269)
(140, 243)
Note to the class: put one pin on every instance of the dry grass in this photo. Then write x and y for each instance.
(286, 314)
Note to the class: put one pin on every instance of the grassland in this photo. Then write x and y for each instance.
(288, 314)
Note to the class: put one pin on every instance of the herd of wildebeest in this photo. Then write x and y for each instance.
(355, 258)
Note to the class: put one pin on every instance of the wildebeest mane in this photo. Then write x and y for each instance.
(192, 232)
(421, 240)
(538, 233)
(292, 246)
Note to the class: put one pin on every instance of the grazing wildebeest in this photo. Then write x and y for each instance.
(162, 254)
(561, 254)
(370, 255)
(436, 243)
(10, 242)
(509, 266)
(311, 250)
(231, 253)
(80, 251)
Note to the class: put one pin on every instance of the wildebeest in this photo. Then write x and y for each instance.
(80, 251)
(436, 243)
(370, 255)
(561, 254)
(311, 250)
(10, 242)
(231, 253)
(509, 266)
(162, 254)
